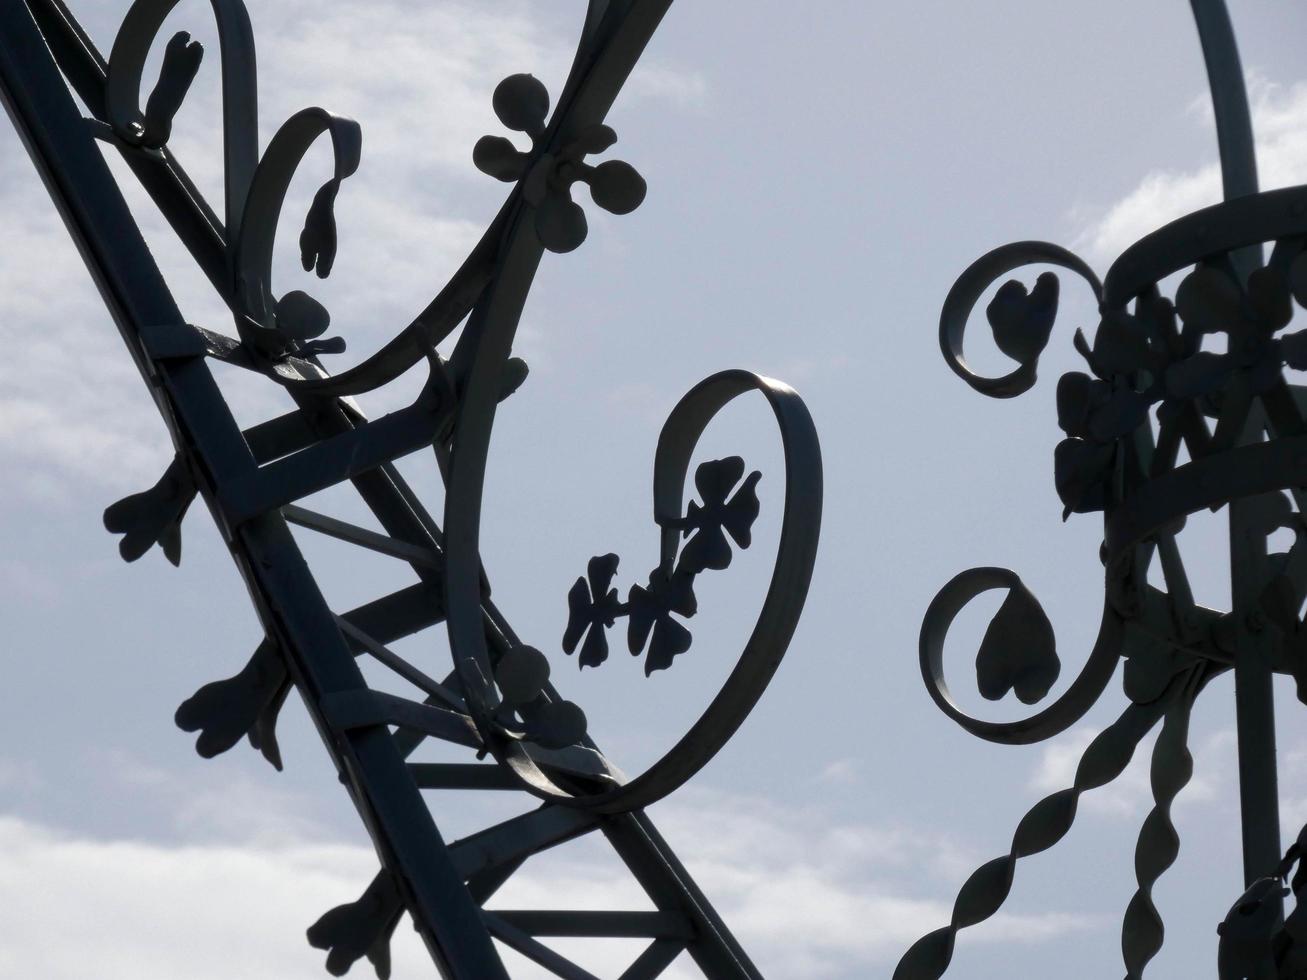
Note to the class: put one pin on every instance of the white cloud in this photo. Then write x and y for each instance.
(819, 898)
(76, 907)
(71, 404)
(837, 903)
(1280, 128)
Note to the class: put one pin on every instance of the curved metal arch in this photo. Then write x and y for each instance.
(240, 104)
(1228, 227)
(618, 31)
(1234, 124)
(252, 251)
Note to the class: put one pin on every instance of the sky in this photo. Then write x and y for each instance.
(818, 176)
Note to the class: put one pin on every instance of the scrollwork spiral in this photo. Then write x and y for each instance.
(1057, 717)
(766, 646)
(1021, 320)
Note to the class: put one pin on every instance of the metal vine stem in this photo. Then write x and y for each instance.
(497, 702)
(1154, 389)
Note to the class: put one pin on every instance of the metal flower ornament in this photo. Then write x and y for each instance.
(522, 104)
(1201, 374)
(495, 700)
(593, 606)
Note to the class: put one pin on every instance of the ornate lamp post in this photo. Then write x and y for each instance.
(497, 701)
(1151, 387)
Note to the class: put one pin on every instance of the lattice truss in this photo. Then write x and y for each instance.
(510, 732)
(1187, 402)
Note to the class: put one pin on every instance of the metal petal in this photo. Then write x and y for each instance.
(181, 60)
(1022, 320)
(301, 317)
(617, 187)
(1018, 652)
(1209, 300)
(521, 102)
(499, 158)
(679, 593)
(644, 610)
(153, 516)
(1079, 471)
(560, 223)
(594, 651)
(521, 674)
(318, 239)
(592, 139)
(715, 478)
(670, 639)
(601, 570)
(1078, 395)
(742, 511)
(579, 608)
(707, 549)
(361, 928)
(557, 725)
(224, 711)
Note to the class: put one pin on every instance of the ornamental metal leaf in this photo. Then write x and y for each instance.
(153, 516)
(592, 607)
(718, 516)
(651, 609)
(522, 674)
(181, 60)
(1018, 652)
(360, 928)
(656, 609)
(1022, 320)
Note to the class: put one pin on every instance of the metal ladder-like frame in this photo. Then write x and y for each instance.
(251, 481)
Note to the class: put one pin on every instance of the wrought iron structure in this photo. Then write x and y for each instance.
(1201, 375)
(497, 702)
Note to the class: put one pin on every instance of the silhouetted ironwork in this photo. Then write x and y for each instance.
(1200, 375)
(497, 702)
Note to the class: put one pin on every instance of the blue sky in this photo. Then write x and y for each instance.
(818, 175)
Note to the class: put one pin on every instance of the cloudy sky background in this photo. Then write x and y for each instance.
(818, 176)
